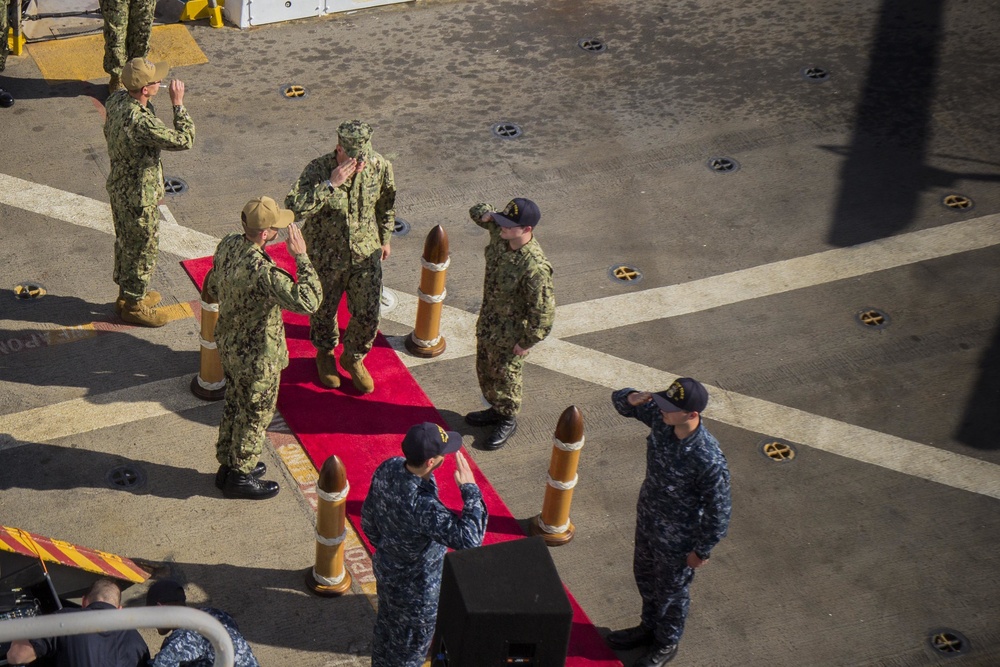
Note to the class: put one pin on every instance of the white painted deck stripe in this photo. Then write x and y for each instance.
(768, 279)
(779, 421)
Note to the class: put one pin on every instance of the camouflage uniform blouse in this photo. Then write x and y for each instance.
(252, 290)
(685, 501)
(187, 648)
(354, 219)
(519, 304)
(135, 138)
(411, 531)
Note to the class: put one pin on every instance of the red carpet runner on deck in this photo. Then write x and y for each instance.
(365, 430)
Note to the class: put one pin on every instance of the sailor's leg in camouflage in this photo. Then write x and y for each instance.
(399, 641)
(115, 14)
(364, 301)
(663, 579)
(323, 331)
(4, 9)
(499, 373)
(250, 403)
(137, 231)
(140, 25)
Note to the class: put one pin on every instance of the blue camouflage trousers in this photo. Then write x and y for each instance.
(401, 639)
(663, 579)
(127, 26)
(363, 283)
(137, 245)
(251, 397)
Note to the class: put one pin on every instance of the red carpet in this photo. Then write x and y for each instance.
(366, 430)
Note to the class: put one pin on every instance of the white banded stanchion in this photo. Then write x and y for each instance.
(210, 382)
(426, 340)
(329, 577)
(553, 523)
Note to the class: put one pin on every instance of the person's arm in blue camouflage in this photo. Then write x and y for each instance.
(385, 207)
(440, 524)
(150, 131)
(303, 295)
(182, 647)
(643, 408)
(369, 520)
(716, 502)
(313, 191)
(540, 301)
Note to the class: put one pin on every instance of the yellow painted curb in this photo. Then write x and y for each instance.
(82, 58)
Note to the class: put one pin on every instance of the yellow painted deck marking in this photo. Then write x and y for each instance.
(82, 58)
(70, 334)
(177, 311)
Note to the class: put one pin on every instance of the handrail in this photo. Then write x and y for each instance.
(104, 620)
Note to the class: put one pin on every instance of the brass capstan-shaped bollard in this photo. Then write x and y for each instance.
(426, 340)
(210, 382)
(330, 577)
(553, 523)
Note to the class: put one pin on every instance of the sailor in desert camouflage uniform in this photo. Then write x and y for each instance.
(346, 201)
(127, 26)
(251, 291)
(518, 310)
(135, 185)
(411, 531)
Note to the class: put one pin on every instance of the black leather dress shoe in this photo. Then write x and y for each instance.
(6, 99)
(629, 638)
(220, 477)
(483, 417)
(659, 656)
(245, 485)
(506, 427)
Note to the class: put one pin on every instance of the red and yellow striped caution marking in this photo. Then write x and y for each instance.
(15, 540)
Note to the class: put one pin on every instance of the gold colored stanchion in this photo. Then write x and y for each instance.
(329, 577)
(553, 523)
(426, 340)
(210, 382)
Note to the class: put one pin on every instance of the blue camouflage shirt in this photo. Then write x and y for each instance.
(411, 531)
(187, 648)
(685, 501)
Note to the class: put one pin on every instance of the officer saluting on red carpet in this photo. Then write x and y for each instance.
(251, 291)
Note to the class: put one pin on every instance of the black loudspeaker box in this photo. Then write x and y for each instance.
(502, 605)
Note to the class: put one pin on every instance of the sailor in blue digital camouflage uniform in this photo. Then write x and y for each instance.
(411, 531)
(682, 513)
(187, 648)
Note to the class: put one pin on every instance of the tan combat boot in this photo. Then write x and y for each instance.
(151, 299)
(359, 375)
(134, 312)
(115, 84)
(326, 364)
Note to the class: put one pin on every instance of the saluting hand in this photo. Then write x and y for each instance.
(296, 244)
(177, 92)
(639, 397)
(343, 171)
(463, 473)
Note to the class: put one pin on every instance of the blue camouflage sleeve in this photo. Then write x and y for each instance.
(717, 504)
(645, 413)
(457, 532)
(369, 523)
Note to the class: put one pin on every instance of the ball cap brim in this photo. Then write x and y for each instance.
(427, 440)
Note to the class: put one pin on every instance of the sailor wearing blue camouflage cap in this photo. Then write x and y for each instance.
(411, 531)
(683, 511)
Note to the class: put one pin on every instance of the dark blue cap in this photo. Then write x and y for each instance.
(518, 213)
(427, 440)
(684, 395)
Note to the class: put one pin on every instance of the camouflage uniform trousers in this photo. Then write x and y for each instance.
(663, 579)
(251, 397)
(137, 231)
(400, 639)
(127, 25)
(363, 283)
(499, 373)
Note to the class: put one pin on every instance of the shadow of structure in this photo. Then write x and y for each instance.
(885, 168)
